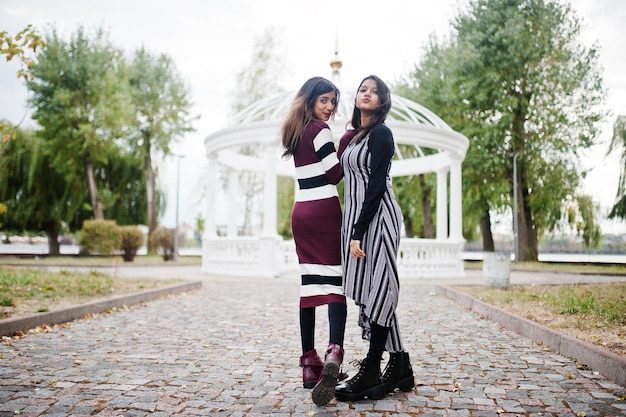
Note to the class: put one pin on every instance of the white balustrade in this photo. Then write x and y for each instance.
(269, 257)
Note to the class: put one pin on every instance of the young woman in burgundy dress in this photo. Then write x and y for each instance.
(316, 227)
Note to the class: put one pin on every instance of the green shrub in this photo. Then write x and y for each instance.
(131, 239)
(162, 240)
(99, 237)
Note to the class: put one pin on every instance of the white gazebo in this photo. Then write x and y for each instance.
(268, 254)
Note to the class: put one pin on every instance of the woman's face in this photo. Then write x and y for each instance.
(367, 99)
(325, 106)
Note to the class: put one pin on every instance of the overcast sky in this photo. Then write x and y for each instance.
(211, 41)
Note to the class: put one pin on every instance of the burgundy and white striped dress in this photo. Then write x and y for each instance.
(372, 215)
(316, 217)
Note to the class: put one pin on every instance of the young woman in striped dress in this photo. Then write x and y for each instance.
(316, 227)
(371, 239)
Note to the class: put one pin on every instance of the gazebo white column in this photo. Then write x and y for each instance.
(270, 195)
(210, 223)
(442, 204)
(456, 205)
(233, 186)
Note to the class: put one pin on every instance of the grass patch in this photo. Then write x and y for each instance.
(587, 268)
(595, 313)
(28, 290)
(6, 301)
(604, 303)
(31, 283)
(76, 261)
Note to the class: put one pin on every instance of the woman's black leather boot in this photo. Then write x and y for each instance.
(398, 373)
(367, 383)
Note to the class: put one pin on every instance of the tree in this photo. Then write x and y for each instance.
(431, 84)
(586, 226)
(162, 109)
(35, 193)
(259, 77)
(125, 185)
(618, 143)
(80, 101)
(199, 227)
(25, 42)
(538, 88)
(257, 80)
(286, 187)
(416, 195)
(522, 82)
(38, 198)
(43, 190)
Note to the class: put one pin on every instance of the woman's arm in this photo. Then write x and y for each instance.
(326, 152)
(381, 147)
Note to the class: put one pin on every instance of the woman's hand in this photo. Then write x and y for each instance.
(355, 249)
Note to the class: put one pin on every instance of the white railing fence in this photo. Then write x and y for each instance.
(272, 256)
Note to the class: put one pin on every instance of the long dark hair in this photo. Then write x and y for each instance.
(301, 112)
(379, 115)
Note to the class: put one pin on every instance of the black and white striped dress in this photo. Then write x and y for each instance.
(372, 215)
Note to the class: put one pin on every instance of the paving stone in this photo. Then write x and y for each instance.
(232, 348)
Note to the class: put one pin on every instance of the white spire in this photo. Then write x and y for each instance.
(336, 64)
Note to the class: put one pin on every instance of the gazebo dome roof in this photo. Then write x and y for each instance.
(275, 107)
(434, 142)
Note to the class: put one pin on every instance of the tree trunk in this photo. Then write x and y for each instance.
(526, 230)
(53, 240)
(527, 233)
(485, 228)
(96, 204)
(527, 240)
(429, 229)
(408, 226)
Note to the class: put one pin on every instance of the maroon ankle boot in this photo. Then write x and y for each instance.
(311, 368)
(324, 391)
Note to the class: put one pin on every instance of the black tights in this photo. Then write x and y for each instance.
(378, 339)
(337, 313)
